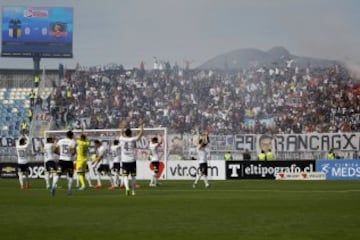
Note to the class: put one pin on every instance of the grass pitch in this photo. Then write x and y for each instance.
(229, 210)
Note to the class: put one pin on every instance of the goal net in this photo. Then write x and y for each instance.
(107, 137)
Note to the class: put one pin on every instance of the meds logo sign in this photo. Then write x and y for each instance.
(339, 169)
(325, 167)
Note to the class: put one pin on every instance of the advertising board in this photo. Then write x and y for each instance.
(42, 31)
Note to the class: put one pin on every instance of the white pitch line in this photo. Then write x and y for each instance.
(213, 189)
(257, 190)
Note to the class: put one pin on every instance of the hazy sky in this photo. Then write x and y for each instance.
(129, 31)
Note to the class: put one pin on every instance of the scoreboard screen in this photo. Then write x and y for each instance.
(42, 31)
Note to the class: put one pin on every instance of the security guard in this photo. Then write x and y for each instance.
(32, 98)
(228, 156)
(262, 156)
(30, 115)
(269, 155)
(331, 155)
(24, 127)
(68, 93)
(36, 81)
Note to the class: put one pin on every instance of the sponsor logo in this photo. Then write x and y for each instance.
(340, 169)
(190, 171)
(265, 170)
(325, 167)
(161, 168)
(37, 172)
(301, 176)
(316, 176)
(234, 170)
(260, 170)
(30, 13)
(8, 169)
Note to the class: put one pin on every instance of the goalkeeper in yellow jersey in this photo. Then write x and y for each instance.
(82, 157)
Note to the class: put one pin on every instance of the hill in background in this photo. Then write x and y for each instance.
(251, 57)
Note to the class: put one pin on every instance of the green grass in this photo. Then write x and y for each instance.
(229, 210)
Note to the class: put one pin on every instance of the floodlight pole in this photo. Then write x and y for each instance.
(36, 60)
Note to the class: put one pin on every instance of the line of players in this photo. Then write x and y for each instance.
(122, 152)
(67, 148)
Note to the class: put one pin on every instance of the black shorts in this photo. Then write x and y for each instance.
(203, 169)
(129, 168)
(104, 168)
(23, 168)
(50, 166)
(116, 167)
(66, 167)
(156, 166)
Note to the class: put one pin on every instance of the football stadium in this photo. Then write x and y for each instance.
(248, 144)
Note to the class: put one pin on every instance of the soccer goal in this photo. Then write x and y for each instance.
(107, 137)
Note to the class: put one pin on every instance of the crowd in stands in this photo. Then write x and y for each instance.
(275, 99)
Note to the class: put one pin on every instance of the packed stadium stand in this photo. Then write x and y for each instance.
(255, 100)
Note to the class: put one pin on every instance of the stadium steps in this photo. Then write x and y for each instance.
(14, 106)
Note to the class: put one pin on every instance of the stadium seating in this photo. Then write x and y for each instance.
(14, 103)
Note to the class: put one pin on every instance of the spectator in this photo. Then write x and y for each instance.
(246, 155)
(228, 156)
(269, 155)
(36, 81)
(288, 100)
(32, 96)
(30, 115)
(24, 128)
(331, 155)
(262, 156)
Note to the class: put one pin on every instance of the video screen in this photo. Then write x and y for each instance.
(43, 31)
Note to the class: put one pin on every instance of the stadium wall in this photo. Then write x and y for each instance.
(222, 170)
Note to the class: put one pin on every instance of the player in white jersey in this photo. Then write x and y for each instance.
(49, 160)
(202, 158)
(154, 158)
(115, 150)
(66, 149)
(101, 164)
(23, 161)
(128, 144)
